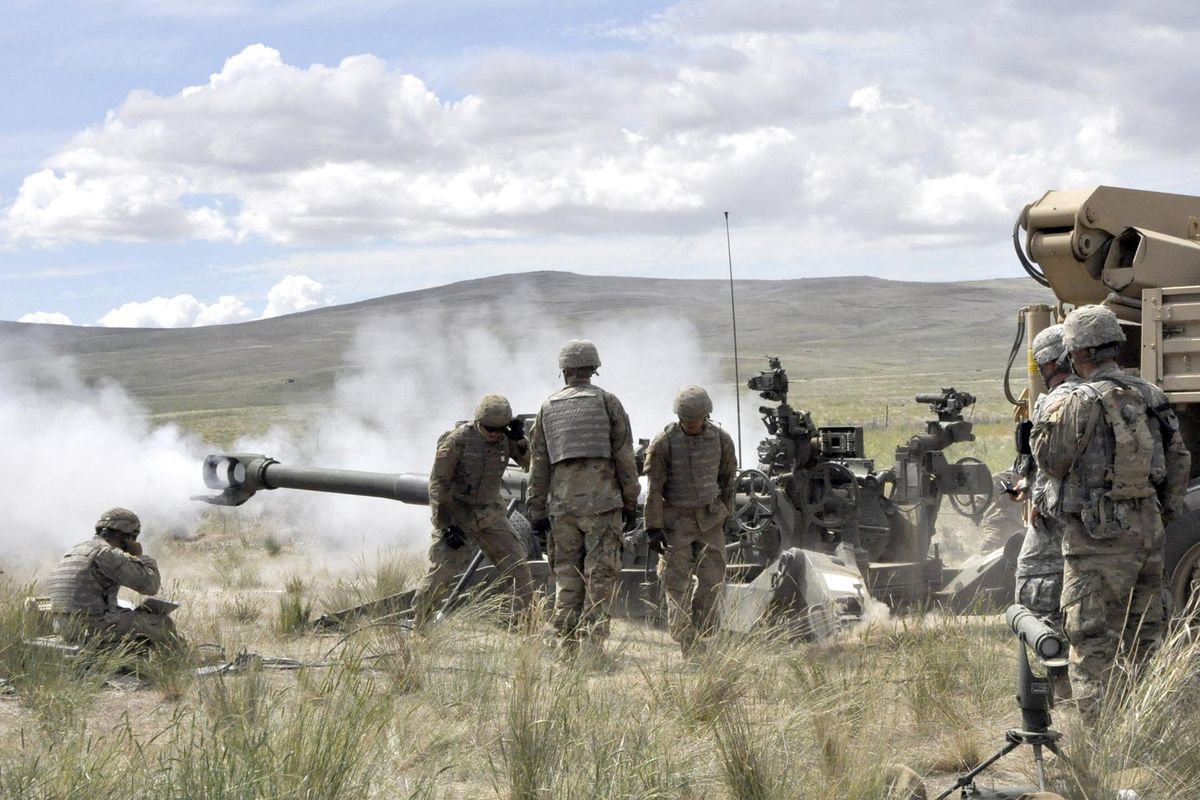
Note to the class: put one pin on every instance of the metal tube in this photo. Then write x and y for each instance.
(407, 487)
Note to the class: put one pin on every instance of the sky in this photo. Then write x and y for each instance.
(167, 163)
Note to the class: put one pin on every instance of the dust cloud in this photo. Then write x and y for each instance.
(411, 377)
(75, 448)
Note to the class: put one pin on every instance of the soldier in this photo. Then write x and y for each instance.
(690, 468)
(84, 587)
(464, 497)
(583, 491)
(1003, 517)
(1114, 444)
(1040, 564)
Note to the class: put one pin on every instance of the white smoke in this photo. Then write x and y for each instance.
(411, 377)
(74, 449)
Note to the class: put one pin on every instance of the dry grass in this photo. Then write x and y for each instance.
(473, 710)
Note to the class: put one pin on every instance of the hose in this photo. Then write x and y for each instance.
(1012, 356)
(1032, 269)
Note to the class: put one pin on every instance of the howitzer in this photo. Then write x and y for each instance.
(240, 476)
(817, 513)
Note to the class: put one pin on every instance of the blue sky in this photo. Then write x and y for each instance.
(171, 163)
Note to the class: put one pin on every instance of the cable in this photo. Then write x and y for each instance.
(1031, 268)
(1012, 356)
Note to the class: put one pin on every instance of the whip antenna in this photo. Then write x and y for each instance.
(737, 380)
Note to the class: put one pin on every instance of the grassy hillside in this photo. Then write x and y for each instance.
(827, 329)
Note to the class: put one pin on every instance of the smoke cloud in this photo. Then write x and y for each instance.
(74, 449)
(411, 377)
(77, 448)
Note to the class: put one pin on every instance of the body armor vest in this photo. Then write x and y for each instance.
(74, 586)
(692, 479)
(1123, 458)
(575, 423)
(1046, 489)
(480, 467)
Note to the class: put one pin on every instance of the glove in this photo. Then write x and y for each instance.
(515, 429)
(454, 537)
(134, 548)
(629, 519)
(657, 539)
(541, 529)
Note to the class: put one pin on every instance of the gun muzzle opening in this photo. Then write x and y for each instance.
(1045, 642)
(223, 472)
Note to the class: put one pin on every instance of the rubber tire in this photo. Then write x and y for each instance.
(524, 530)
(1181, 553)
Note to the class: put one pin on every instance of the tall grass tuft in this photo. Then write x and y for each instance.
(295, 607)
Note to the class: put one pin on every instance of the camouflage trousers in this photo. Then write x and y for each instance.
(502, 548)
(585, 556)
(697, 553)
(126, 624)
(1112, 604)
(1042, 594)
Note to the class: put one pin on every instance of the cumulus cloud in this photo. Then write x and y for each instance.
(785, 112)
(295, 293)
(47, 318)
(180, 311)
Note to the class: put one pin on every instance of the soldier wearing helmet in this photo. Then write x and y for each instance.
(690, 469)
(1040, 563)
(84, 587)
(583, 490)
(464, 497)
(1116, 469)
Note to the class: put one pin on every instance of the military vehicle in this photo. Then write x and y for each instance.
(817, 534)
(1138, 253)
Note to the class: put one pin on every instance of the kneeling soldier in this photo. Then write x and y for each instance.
(464, 496)
(84, 587)
(690, 468)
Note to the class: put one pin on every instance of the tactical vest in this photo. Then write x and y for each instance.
(1047, 489)
(480, 467)
(1123, 456)
(74, 586)
(692, 479)
(575, 423)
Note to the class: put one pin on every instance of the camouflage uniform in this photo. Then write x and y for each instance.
(464, 491)
(83, 596)
(1040, 563)
(690, 495)
(582, 477)
(1003, 517)
(1114, 445)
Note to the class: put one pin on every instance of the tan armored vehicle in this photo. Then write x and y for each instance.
(1139, 254)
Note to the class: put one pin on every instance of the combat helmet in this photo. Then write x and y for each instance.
(120, 520)
(692, 402)
(1048, 345)
(578, 353)
(493, 411)
(1089, 327)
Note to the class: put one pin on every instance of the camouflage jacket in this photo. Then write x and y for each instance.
(659, 466)
(464, 484)
(90, 575)
(584, 486)
(1063, 442)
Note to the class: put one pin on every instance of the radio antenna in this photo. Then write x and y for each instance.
(737, 380)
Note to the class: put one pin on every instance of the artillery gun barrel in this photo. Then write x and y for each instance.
(239, 476)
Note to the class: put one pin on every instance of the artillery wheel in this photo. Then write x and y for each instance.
(524, 531)
(759, 509)
(1181, 561)
(831, 497)
(968, 503)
